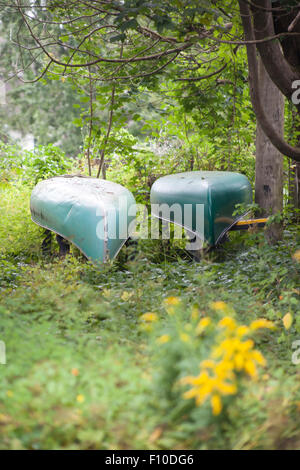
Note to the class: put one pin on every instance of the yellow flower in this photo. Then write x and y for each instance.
(296, 256)
(149, 317)
(195, 313)
(234, 355)
(204, 385)
(216, 404)
(250, 368)
(201, 378)
(244, 345)
(226, 348)
(228, 323)
(242, 330)
(80, 398)
(146, 327)
(226, 388)
(258, 357)
(190, 394)
(208, 364)
(106, 293)
(184, 337)
(172, 301)
(239, 361)
(223, 370)
(163, 339)
(4, 419)
(9, 393)
(219, 305)
(126, 295)
(204, 322)
(261, 323)
(287, 321)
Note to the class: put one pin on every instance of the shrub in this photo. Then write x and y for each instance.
(32, 166)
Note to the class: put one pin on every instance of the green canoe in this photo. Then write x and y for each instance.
(93, 214)
(207, 200)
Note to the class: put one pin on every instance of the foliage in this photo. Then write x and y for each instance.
(198, 112)
(44, 109)
(45, 162)
(32, 166)
(188, 338)
(153, 350)
(83, 373)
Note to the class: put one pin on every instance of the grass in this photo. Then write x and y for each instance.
(82, 373)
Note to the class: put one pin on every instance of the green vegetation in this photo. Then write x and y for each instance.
(86, 368)
(154, 350)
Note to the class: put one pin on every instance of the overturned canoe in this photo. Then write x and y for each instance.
(93, 214)
(203, 202)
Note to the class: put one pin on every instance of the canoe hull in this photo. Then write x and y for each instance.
(86, 211)
(216, 193)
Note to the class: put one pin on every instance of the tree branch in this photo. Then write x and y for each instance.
(203, 77)
(275, 63)
(275, 138)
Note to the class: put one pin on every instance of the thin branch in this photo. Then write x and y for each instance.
(111, 114)
(90, 123)
(253, 41)
(202, 77)
(294, 22)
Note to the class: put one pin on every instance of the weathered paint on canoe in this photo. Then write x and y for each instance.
(86, 211)
(218, 191)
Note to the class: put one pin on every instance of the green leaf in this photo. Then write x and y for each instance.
(77, 122)
(131, 24)
(118, 37)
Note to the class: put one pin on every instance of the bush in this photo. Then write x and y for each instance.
(32, 166)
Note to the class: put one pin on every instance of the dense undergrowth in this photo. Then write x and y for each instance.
(99, 358)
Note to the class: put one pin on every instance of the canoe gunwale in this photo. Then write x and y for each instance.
(227, 229)
(60, 234)
(179, 225)
(80, 249)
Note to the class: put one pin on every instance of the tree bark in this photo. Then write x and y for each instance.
(275, 62)
(269, 161)
(257, 101)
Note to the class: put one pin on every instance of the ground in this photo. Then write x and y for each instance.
(85, 370)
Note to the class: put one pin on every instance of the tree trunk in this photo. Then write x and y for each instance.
(269, 161)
